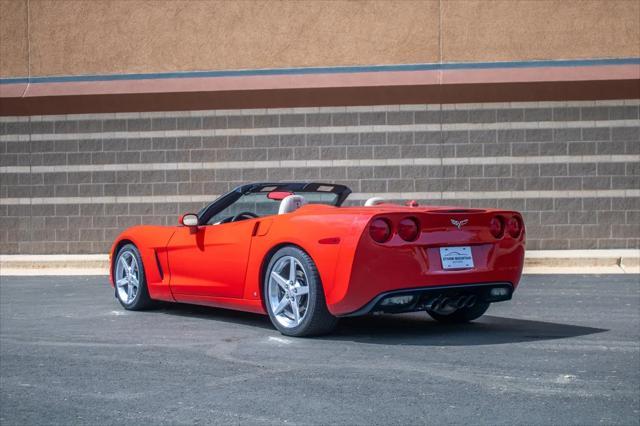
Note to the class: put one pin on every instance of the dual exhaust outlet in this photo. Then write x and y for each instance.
(456, 302)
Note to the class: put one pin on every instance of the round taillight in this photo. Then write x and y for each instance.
(408, 229)
(380, 230)
(514, 227)
(496, 226)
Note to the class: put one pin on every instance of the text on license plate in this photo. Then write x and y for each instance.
(456, 257)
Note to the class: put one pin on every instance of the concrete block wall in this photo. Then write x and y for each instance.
(70, 184)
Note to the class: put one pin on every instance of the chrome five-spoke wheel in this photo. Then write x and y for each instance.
(127, 276)
(288, 291)
(293, 294)
(130, 279)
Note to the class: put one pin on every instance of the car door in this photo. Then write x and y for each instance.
(210, 261)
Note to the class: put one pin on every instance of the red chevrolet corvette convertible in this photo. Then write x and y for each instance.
(291, 251)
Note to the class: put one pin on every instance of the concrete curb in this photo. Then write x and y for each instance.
(618, 261)
(536, 262)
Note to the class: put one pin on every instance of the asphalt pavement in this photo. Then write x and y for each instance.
(566, 350)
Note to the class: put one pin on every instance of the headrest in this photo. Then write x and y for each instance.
(373, 201)
(291, 203)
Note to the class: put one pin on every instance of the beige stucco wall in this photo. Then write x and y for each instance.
(499, 30)
(14, 59)
(70, 37)
(105, 36)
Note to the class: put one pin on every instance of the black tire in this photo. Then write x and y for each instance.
(317, 320)
(141, 300)
(461, 315)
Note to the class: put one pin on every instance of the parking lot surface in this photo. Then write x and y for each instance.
(565, 351)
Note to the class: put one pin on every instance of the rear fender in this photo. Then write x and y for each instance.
(329, 239)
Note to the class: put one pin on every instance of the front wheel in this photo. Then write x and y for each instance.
(460, 315)
(294, 296)
(130, 280)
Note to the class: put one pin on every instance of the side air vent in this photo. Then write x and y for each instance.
(159, 265)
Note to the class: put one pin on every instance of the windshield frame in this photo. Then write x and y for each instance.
(226, 200)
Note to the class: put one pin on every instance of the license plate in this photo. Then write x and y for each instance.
(456, 257)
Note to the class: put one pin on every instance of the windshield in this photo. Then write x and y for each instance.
(257, 204)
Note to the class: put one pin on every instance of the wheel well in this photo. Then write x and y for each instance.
(120, 244)
(265, 263)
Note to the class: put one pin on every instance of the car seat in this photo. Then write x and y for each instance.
(374, 201)
(291, 203)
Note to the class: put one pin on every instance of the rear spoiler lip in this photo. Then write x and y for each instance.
(395, 209)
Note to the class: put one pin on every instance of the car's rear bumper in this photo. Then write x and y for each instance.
(420, 298)
(378, 269)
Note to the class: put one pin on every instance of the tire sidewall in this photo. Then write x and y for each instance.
(139, 299)
(313, 282)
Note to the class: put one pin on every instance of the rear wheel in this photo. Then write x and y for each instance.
(130, 280)
(460, 315)
(294, 296)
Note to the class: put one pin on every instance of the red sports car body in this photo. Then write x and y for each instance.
(292, 251)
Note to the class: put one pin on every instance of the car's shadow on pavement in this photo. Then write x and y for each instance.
(421, 331)
(408, 329)
(214, 314)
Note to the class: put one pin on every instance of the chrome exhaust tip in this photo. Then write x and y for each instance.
(461, 302)
(471, 300)
(443, 303)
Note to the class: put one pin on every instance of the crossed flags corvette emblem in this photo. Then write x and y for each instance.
(459, 223)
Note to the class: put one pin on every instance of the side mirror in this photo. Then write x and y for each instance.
(188, 219)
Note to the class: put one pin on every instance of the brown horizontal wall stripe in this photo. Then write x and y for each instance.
(318, 97)
(573, 113)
